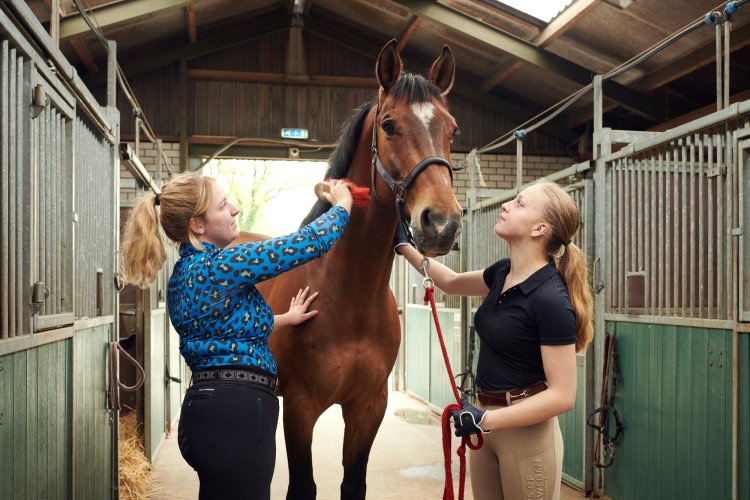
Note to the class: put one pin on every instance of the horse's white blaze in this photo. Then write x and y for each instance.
(424, 111)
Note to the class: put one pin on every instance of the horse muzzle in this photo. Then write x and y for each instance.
(435, 233)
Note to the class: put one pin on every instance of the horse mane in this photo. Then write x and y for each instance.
(415, 88)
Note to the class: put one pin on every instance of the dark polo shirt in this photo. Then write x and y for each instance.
(513, 326)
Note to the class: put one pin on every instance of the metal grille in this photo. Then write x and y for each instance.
(51, 154)
(95, 185)
(668, 228)
(416, 288)
(15, 269)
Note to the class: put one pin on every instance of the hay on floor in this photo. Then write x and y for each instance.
(135, 470)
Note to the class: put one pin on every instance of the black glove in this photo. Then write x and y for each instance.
(401, 237)
(467, 420)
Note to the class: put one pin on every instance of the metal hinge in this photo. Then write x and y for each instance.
(716, 171)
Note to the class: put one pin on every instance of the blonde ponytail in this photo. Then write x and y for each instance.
(143, 248)
(572, 268)
(561, 213)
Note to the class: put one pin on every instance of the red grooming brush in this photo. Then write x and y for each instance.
(360, 195)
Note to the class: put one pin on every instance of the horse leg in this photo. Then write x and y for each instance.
(300, 416)
(362, 420)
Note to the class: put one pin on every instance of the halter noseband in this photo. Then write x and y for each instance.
(399, 188)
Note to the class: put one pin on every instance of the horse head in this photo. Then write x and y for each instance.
(412, 135)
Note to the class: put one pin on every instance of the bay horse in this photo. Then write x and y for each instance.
(345, 354)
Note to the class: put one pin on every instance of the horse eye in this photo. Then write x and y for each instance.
(388, 128)
(456, 132)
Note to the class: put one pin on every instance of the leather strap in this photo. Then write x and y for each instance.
(506, 398)
(252, 377)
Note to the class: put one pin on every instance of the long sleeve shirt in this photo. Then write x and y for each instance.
(219, 314)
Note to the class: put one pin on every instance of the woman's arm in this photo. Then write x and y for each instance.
(298, 310)
(250, 263)
(560, 369)
(445, 278)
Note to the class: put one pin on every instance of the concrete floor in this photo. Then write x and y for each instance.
(406, 459)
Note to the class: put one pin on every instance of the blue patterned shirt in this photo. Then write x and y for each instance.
(222, 319)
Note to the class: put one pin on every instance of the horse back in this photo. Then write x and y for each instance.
(246, 237)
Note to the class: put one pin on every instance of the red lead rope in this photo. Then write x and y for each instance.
(429, 292)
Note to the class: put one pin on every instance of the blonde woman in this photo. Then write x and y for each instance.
(229, 415)
(537, 313)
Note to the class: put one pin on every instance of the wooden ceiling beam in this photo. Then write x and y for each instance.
(109, 15)
(408, 32)
(83, 54)
(587, 114)
(225, 40)
(694, 60)
(190, 21)
(554, 30)
(627, 98)
(492, 103)
(499, 77)
(281, 78)
(566, 20)
(698, 113)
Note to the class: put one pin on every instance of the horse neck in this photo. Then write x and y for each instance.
(365, 251)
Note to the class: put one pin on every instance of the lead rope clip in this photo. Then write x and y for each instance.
(426, 281)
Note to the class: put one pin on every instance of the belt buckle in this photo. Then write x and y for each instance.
(509, 396)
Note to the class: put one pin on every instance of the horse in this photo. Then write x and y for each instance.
(345, 354)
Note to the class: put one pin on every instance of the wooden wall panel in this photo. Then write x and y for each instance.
(35, 422)
(675, 401)
(92, 426)
(157, 94)
(251, 109)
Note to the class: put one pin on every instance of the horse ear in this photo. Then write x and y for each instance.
(443, 71)
(389, 65)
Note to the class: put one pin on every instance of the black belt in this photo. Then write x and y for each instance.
(262, 379)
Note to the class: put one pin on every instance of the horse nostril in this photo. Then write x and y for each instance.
(433, 221)
(424, 218)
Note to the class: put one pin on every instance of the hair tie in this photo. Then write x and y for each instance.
(566, 243)
(157, 200)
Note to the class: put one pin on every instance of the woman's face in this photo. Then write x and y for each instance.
(219, 223)
(521, 218)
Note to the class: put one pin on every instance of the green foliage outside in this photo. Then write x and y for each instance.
(250, 185)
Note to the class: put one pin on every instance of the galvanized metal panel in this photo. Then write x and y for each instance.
(176, 389)
(14, 191)
(744, 417)
(573, 429)
(743, 173)
(658, 269)
(92, 424)
(34, 422)
(94, 183)
(418, 351)
(155, 389)
(675, 403)
(50, 147)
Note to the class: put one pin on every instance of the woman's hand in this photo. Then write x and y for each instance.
(298, 309)
(338, 194)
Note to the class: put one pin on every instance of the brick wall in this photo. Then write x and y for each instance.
(499, 171)
(129, 191)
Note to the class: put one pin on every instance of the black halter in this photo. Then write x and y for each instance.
(399, 188)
